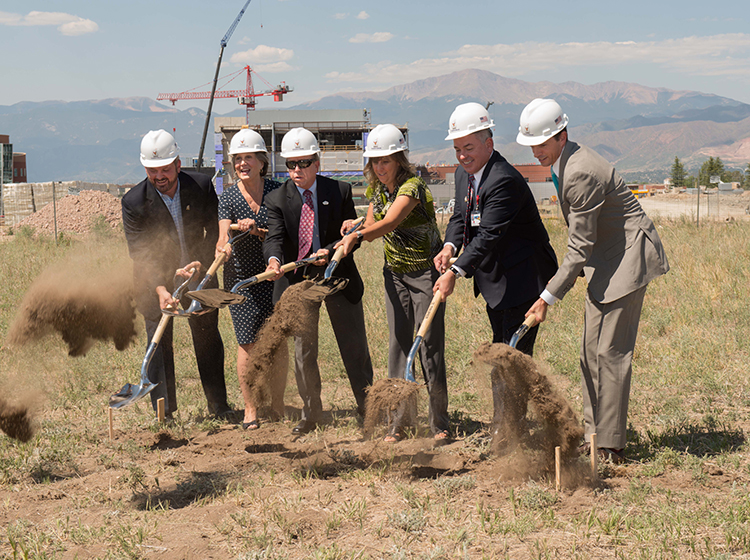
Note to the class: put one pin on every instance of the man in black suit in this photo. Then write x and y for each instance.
(171, 224)
(304, 218)
(506, 248)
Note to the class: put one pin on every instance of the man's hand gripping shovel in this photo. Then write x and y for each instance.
(131, 393)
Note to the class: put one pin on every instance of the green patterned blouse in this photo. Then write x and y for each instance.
(415, 242)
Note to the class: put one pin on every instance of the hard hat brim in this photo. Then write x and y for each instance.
(299, 153)
(383, 153)
(462, 133)
(530, 141)
(157, 162)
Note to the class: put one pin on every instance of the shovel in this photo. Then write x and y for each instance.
(196, 307)
(131, 393)
(426, 322)
(522, 330)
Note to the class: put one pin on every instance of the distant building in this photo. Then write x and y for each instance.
(19, 167)
(341, 134)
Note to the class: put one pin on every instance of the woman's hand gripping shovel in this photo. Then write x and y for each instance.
(131, 393)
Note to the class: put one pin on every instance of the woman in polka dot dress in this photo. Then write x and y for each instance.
(242, 203)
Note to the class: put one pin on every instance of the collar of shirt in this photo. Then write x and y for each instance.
(478, 177)
(556, 165)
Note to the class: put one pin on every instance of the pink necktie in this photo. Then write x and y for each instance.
(307, 219)
(469, 202)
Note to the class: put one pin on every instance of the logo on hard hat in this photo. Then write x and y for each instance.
(483, 119)
(526, 128)
(558, 119)
(154, 152)
(453, 125)
(375, 143)
(242, 142)
(296, 145)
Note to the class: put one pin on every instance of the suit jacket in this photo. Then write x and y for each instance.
(611, 238)
(335, 205)
(509, 255)
(152, 237)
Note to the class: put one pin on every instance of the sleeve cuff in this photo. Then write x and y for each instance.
(458, 271)
(548, 298)
(452, 246)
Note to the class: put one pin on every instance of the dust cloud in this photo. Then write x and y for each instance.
(16, 421)
(292, 316)
(80, 300)
(533, 453)
(390, 401)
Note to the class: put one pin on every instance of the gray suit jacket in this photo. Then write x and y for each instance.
(611, 239)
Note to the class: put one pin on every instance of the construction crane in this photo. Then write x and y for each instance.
(246, 97)
(224, 42)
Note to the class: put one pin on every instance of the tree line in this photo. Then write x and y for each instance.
(713, 167)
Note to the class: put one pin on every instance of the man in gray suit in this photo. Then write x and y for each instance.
(616, 247)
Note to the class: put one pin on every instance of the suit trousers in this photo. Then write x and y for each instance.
(505, 323)
(209, 353)
(408, 296)
(348, 322)
(610, 331)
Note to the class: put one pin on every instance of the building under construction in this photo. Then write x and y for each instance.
(341, 134)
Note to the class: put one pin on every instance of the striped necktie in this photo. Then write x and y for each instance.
(469, 202)
(306, 222)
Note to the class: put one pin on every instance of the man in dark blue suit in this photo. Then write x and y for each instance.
(171, 225)
(506, 248)
(304, 218)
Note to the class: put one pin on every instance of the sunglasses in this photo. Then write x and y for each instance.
(302, 163)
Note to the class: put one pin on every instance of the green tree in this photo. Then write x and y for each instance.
(679, 175)
(746, 180)
(709, 169)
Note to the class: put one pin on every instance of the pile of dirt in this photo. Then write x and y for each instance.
(77, 213)
(292, 316)
(392, 402)
(80, 304)
(524, 383)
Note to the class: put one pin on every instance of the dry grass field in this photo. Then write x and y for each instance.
(200, 488)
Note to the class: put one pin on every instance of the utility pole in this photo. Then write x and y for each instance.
(698, 205)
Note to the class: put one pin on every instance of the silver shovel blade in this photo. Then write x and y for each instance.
(216, 298)
(130, 393)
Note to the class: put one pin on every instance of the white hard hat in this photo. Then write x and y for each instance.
(299, 142)
(540, 120)
(246, 141)
(384, 140)
(468, 118)
(158, 149)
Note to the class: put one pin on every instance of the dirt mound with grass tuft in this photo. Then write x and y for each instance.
(524, 381)
(81, 304)
(77, 213)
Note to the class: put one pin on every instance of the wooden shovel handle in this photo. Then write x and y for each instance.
(430, 315)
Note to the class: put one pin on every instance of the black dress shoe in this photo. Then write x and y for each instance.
(304, 427)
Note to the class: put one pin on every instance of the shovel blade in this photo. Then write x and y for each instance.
(321, 289)
(130, 393)
(216, 298)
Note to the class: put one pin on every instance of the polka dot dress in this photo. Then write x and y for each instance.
(247, 261)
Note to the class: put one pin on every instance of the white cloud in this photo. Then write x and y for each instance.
(379, 37)
(363, 15)
(718, 55)
(273, 67)
(270, 57)
(67, 24)
(340, 16)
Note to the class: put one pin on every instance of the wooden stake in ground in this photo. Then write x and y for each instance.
(111, 425)
(160, 410)
(594, 457)
(558, 458)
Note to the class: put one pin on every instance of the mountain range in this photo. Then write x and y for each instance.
(639, 129)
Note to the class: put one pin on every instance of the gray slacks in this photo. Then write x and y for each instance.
(348, 322)
(609, 334)
(408, 296)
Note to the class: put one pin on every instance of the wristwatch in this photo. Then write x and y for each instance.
(455, 271)
(360, 236)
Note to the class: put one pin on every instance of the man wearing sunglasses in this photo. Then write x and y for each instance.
(304, 219)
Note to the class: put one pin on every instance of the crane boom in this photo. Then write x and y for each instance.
(232, 27)
(216, 77)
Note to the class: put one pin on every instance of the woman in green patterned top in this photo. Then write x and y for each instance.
(402, 212)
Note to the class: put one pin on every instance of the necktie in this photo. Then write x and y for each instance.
(556, 183)
(307, 219)
(469, 202)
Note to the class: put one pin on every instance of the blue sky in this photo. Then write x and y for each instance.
(79, 50)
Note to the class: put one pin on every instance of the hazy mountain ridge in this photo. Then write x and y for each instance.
(638, 128)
